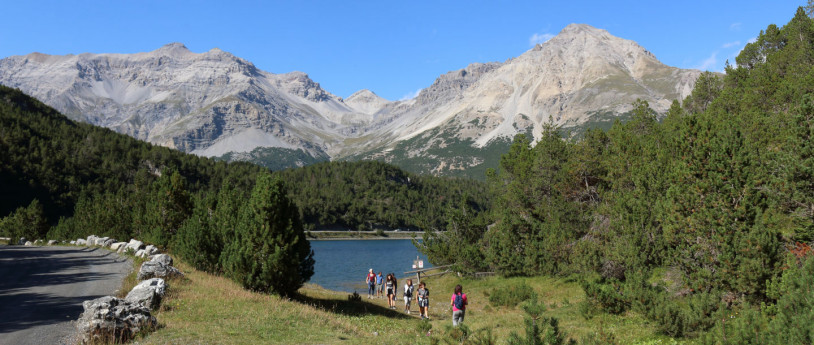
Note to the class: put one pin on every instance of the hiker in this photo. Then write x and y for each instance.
(458, 303)
(390, 287)
(370, 280)
(423, 296)
(395, 289)
(408, 295)
(379, 285)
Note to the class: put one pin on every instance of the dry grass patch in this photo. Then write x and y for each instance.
(207, 309)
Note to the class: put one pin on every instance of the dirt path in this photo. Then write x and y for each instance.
(42, 289)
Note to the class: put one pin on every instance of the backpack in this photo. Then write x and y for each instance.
(459, 302)
(408, 292)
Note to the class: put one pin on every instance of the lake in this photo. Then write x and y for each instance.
(341, 265)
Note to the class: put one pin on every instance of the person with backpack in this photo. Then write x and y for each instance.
(370, 280)
(458, 303)
(423, 296)
(379, 285)
(408, 295)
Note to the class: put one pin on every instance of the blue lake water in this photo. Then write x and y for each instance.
(341, 265)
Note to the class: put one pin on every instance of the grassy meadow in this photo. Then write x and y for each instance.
(207, 309)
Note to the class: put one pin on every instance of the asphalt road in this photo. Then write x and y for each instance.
(42, 289)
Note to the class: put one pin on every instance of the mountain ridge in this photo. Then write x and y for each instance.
(214, 103)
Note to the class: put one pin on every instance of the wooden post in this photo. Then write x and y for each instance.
(418, 264)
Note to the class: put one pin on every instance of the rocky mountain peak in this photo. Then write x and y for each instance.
(363, 95)
(452, 84)
(175, 49)
(366, 101)
(302, 85)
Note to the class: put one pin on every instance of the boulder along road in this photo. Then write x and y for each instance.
(42, 289)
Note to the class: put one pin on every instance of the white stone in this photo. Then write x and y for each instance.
(117, 245)
(134, 245)
(148, 293)
(151, 269)
(162, 258)
(151, 250)
(113, 318)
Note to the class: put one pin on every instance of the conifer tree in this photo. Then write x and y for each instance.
(268, 251)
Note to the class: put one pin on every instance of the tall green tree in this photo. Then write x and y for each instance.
(197, 241)
(28, 222)
(268, 251)
(168, 207)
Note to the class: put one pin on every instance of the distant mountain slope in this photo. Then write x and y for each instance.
(62, 163)
(216, 104)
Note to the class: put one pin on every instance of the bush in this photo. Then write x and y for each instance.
(511, 295)
(540, 330)
(462, 335)
(424, 327)
(604, 296)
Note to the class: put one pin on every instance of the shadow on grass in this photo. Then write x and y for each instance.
(350, 308)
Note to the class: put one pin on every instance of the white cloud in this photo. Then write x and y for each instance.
(410, 95)
(735, 27)
(539, 38)
(731, 44)
(709, 62)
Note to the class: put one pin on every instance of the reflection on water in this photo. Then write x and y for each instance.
(342, 264)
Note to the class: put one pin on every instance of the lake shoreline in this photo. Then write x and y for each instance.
(363, 235)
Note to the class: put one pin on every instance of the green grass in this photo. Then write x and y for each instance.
(208, 309)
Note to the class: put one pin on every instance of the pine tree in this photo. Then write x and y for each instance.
(268, 251)
(28, 222)
(197, 241)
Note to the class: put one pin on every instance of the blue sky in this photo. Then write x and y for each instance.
(393, 48)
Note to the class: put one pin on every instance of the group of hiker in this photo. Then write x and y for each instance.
(379, 286)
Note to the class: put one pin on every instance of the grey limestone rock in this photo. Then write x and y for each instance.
(159, 269)
(117, 245)
(109, 318)
(162, 258)
(81, 242)
(52, 242)
(133, 245)
(151, 250)
(148, 293)
(100, 241)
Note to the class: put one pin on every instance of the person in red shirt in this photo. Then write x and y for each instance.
(371, 283)
(458, 303)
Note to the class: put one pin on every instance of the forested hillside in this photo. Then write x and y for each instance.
(85, 179)
(702, 222)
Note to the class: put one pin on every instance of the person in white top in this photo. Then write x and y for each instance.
(408, 295)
